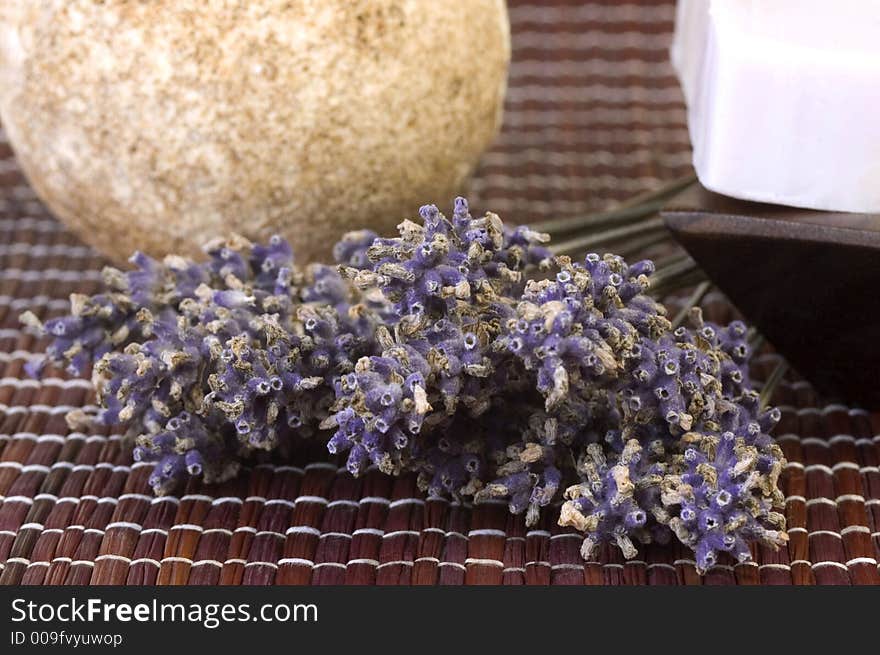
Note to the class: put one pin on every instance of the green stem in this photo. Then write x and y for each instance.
(639, 207)
(772, 382)
(695, 299)
(680, 272)
(596, 239)
(636, 246)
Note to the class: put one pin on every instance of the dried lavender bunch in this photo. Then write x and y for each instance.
(451, 285)
(206, 364)
(433, 352)
(575, 333)
(636, 405)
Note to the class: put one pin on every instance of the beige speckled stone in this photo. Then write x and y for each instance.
(157, 125)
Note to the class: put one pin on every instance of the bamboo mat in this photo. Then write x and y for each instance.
(593, 116)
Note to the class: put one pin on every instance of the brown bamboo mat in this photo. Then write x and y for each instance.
(593, 116)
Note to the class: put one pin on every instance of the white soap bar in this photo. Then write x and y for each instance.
(783, 99)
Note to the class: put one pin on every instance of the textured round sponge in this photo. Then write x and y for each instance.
(159, 125)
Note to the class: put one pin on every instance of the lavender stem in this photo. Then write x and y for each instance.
(675, 274)
(591, 241)
(772, 382)
(695, 298)
(639, 207)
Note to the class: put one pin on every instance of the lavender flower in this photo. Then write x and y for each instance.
(433, 352)
(448, 284)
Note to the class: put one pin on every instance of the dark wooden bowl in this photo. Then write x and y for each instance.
(808, 280)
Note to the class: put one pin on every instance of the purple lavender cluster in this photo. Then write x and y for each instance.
(459, 350)
(451, 286)
(208, 364)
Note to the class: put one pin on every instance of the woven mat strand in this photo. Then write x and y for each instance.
(593, 116)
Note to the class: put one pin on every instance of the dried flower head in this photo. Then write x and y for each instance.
(434, 352)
